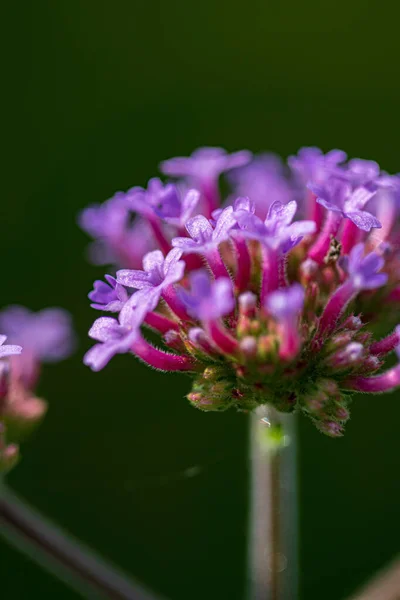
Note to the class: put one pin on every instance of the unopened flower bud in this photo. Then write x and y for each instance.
(329, 386)
(255, 327)
(330, 428)
(364, 337)
(23, 414)
(340, 340)
(244, 326)
(347, 357)
(9, 457)
(371, 363)
(311, 297)
(352, 322)
(248, 346)
(247, 304)
(308, 269)
(342, 413)
(267, 346)
(173, 339)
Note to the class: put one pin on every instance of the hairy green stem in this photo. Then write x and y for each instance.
(273, 568)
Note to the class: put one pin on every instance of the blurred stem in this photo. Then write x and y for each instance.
(273, 517)
(69, 560)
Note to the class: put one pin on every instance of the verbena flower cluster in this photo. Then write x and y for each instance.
(45, 336)
(271, 294)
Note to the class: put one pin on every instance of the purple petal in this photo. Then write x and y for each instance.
(104, 328)
(134, 278)
(222, 297)
(375, 281)
(153, 260)
(99, 356)
(185, 244)
(208, 300)
(225, 222)
(286, 303)
(372, 263)
(355, 257)
(199, 229)
(200, 283)
(8, 350)
(329, 205)
(244, 204)
(364, 220)
(358, 199)
(284, 213)
(189, 203)
(172, 259)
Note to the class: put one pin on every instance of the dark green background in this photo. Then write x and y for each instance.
(97, 93)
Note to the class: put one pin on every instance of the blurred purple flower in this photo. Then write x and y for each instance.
(363, 173)
(117, 238)
(263, 181)
(205, 164)
(286, 303)
(311, 164)
(208, 300)
(47, 335)
(176, 211)
(363, 271)
(337, 196)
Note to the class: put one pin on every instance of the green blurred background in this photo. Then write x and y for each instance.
(97, 93)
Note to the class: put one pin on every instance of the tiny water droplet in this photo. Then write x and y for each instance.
(265, 421)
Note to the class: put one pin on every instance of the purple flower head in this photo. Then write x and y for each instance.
(110, 296)
(203, 237)
(208, 300)
(311, 164)
(263, 180)
(205, 164)
(337, 195)
(117, 239)
(45, 335)
(157, 275)
(115, 337)
(277, 231)
(363, 271)
(286, 303)
(8, 350)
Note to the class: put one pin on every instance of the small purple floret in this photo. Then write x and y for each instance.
(263, 180)
(203, 236)
(110, 296)
(363, 271)
(277, 231)
(311, 164)
(45, 335)
(338, 196)
(286, 303)
(208, 300)
(205, 164)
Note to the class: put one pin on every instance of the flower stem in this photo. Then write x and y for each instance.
(273, 519)
(59, 553)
